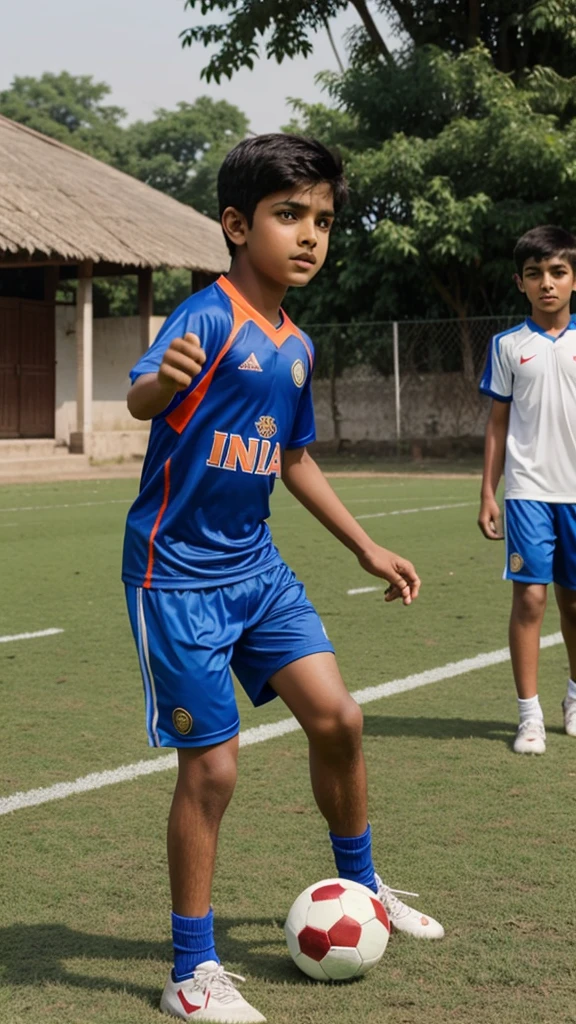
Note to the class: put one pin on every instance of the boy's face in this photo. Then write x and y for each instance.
(548, 284)
(288, 240)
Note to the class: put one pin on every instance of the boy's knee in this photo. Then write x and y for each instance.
(208, 773)
(530, 602)
(340, 726)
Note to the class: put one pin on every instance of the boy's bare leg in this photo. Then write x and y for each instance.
(566, 600)
(313, 689)
(528, 607)
(206, 781)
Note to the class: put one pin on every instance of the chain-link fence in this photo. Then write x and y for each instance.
(402, 381)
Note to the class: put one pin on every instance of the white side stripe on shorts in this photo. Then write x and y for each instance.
(149, 687)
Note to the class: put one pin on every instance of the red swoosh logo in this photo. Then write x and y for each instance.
(187, 1006)
(526, 359)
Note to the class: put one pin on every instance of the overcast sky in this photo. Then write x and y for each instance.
(133, 45)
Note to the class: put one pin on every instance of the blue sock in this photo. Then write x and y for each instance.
(193, 939)
(353, 856)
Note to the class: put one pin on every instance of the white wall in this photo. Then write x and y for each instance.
(433, 405)
(116, 347)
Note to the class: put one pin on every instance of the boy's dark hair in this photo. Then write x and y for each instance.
(259, 166)
(544, 242)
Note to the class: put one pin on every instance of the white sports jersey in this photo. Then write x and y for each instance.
(536, 372)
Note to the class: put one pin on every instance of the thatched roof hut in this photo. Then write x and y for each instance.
(64, 214)
(56, 202)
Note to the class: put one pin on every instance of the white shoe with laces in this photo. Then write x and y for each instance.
(404, 918)
(569, 709)
(531, 737)
(208, 995)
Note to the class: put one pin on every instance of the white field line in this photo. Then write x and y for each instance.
(70, 504)
(408, 511)
(278, 508)
(260, 733)
(364, 590)
(29, 636)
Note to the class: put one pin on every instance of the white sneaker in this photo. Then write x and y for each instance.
(404, 918)
(531, 737)
(208, 995)
(569, 709)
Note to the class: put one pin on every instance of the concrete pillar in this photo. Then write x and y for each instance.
(80, 440)
(145, 307)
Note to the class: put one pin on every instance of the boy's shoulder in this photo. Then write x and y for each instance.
(512, 335)
(210, 301)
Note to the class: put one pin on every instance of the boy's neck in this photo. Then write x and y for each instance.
(263, 294)
(553, 322)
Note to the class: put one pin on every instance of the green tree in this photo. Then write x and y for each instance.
(518, 34)
(71, 109)
(446, 195)
(179, 151)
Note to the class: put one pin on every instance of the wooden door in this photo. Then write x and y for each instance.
(9, 361)
(27, 368)
(37, 369)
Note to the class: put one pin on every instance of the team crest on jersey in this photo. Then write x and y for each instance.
(516, 562)
(182, 720)
(266, 426)
(298, 372)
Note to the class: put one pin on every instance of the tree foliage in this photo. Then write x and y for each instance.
(71, 109)
(518, 34)
(180, 151)
(439, 200)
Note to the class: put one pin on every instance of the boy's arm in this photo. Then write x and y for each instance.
(151, 393)
(494, 454)
(305, 480)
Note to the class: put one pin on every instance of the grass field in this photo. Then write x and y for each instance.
(485, 836)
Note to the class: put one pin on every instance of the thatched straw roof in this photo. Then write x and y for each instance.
(59, 202)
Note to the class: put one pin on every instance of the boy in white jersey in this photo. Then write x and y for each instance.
(531, 434)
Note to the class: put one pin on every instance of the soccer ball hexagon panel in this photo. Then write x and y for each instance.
(336, 930)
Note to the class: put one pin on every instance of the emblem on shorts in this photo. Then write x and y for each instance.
(266, 426)
(516, 562)
(183, 721)
(298, 372)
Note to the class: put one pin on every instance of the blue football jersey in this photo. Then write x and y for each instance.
(214, 453)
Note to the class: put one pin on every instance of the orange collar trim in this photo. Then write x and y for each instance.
(276, 334)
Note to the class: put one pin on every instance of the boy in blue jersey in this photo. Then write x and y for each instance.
(531, 432)
(227, 387)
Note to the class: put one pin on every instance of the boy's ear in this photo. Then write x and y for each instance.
(519, 283)
(235, 225)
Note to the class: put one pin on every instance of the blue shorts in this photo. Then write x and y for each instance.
(188, 640)
(540, 542)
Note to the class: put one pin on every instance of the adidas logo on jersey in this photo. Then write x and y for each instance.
(230, 452)
(251, 364)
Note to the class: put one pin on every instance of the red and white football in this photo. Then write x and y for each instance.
(336, 930)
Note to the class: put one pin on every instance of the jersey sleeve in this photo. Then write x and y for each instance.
(498, 378)
(304, 427)
(212, 325)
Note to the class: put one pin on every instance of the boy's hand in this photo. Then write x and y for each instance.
(183, 360)
(489, 519)
(400, 573)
